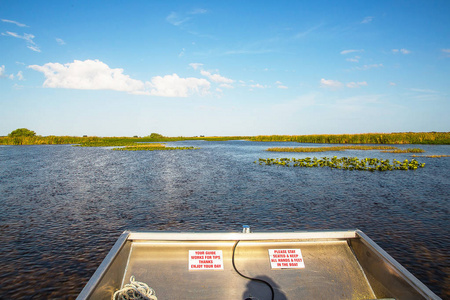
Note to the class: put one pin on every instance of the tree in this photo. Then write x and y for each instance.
(156, 136)
(21, 132)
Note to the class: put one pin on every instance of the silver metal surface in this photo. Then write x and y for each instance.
(387, 277)
(338, 265)
(245, 229)
(108, 277)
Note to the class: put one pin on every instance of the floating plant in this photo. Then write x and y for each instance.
(347, 163)
(409, 150)
(325, 149)
(152, 147)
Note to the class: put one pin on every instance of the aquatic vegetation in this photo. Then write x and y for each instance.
(442, 138)
(152, 147)
(409, 150)
(444, 155)
(325, 149)
(346, 163)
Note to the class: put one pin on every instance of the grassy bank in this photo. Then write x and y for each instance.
(442, 138)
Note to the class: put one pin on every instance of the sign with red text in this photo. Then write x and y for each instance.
(286, 259)
(205, 260)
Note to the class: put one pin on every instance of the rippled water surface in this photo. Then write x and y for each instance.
(63, 207)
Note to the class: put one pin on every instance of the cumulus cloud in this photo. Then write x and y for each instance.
(356, 84)
(174, 86)
(87, 75)
(27, 37)
(96, 75)
(329, 83)
(14, 22)
(10, 76)
(367, 20)
(402, 51)
(343, 52)
(216, 77)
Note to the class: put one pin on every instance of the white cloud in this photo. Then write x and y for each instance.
(181, 53)
(392, 84)
(27, 37)
(198, 11)
(280, 85)
(354, 59)
(367, 67)
(14, 22)
(34, 48)
(175, 19)
(2, 71)
(87, 75)
(60, 41)
(20, 75)
(330, 83)
(356, 84)
(343, 52)
(195, 66)
(258, 86)
(226, 85)
(96, 75)
(174, 86)
(216, 77)
(402, 51)
(446, 52)
(367, 20)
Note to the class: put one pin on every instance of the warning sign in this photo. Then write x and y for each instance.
(205, 260)
(286, 259)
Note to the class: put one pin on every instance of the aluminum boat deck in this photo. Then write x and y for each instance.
(297, 265)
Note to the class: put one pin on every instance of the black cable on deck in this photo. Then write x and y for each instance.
(249, 278)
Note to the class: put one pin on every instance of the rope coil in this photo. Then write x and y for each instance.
(135, 290)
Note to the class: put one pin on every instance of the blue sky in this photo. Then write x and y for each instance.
(124, 68)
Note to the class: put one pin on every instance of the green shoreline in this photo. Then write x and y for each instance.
(434, 138)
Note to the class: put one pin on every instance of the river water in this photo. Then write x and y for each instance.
(63, 207)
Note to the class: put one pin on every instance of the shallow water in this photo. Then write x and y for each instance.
(63, 207)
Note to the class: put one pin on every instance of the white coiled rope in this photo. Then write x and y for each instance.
(135, 290)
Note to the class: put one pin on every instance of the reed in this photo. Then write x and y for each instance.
(152, 147)
(434, 156)
(326, 149)
(364, 138)
(346, 163)
(409, 150)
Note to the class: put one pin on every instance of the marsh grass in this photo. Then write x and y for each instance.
(434, 156)
(152, 147)
(326, 149)
(409, 150)
(442, 138)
